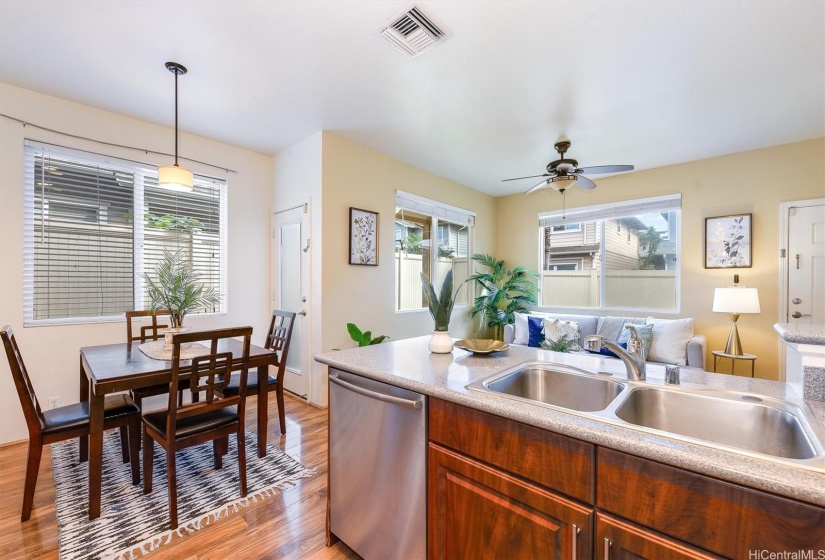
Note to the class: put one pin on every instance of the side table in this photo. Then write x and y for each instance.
(733, 357)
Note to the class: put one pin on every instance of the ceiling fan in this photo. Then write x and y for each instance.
(563, 173)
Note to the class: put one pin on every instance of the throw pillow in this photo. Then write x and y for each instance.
(645, 332)
(536, 330)
(670, 339)
(556, 331)
(521, 332)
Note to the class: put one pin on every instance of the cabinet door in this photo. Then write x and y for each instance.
(476, 511)
(617, 540)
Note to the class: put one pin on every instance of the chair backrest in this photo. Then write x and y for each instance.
(25, 390)
(280, 335)
(147, 332)
(208, 374)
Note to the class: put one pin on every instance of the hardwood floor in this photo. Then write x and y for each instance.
(289, 525)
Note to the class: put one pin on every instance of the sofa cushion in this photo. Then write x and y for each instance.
(556, 330)
(535, 327)
(611, 327)
(670, 339)
(645, 332)
(521, 332)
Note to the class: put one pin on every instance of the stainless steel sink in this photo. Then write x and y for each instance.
(784, 430)
(554, 385)
(759, 424)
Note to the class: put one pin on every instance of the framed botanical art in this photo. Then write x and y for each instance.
(729, 241)
(363, 237)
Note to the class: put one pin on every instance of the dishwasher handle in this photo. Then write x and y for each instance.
(406, 403)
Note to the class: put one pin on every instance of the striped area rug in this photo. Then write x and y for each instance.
(132, 523)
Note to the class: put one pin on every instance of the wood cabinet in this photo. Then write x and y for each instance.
(499, 488)
(477, 511)
(619, 540)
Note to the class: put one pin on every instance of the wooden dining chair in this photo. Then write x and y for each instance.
(66, 422)
(213, 418)
(278, 338)
(147, 333)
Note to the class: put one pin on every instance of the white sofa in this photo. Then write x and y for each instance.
(591, 324)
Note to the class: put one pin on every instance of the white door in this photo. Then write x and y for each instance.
(806, 265)
(290, 273)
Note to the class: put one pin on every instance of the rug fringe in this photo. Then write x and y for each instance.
(154, 542)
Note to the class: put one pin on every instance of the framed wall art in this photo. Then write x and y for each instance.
(363, 237)
(729, 241)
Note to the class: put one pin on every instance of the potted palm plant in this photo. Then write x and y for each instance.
(178, 288)
(503, 293)
(441, 307)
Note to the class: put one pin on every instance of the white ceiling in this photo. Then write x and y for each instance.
(641, 82)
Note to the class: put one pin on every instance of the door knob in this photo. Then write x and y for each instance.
(302, 313)
(797, 315)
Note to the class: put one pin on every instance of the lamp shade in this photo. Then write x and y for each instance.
(175, 178)
(736, 300)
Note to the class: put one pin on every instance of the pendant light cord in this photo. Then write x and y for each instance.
(176, 118)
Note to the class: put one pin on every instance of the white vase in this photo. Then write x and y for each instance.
(169, 333)
(440, 342)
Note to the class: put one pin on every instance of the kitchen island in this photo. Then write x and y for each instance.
(596, 452)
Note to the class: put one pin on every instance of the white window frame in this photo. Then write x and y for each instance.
(567, 227)
(447, 213)
(140, 170)
(612, 211)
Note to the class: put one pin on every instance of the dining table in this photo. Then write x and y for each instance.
(113, 368)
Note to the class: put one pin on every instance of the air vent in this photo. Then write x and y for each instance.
(414, 31)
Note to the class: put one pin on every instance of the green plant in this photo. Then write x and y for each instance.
(177, 287)
(504, 292)
(440, 307)
(363, 338)
(563, 344)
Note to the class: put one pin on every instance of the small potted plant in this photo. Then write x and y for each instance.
(440, 309)
(178, 288)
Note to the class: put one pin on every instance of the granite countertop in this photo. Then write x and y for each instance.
(409, 364)
(801, 334)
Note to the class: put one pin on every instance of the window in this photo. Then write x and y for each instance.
(430, 238)
(94, 226)
(623, 255)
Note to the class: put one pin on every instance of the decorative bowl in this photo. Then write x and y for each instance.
(482, 345)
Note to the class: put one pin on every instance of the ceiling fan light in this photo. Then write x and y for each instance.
(562, 182)
(175, 178)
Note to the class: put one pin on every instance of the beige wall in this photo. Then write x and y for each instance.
(357, 176)
(750, 182)
(51, 353)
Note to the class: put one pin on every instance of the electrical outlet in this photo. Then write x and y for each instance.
(54, 402)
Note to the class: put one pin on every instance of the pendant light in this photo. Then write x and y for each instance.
(174, 177)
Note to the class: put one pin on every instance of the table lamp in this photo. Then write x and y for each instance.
(735, 300)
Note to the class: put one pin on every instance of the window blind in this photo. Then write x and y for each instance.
(93, 226)
(611, 211)
(428, 207)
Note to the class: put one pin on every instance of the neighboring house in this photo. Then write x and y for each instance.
(576, 246)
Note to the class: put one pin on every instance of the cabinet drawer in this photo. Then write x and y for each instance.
(619, 540)
(718, 516)
(552, 460)
(478, 512)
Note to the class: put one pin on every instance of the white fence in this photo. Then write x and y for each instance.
(649, 289)
(408, 291)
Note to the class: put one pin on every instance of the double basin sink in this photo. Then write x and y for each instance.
(778, 429)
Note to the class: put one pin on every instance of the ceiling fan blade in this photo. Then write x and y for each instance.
(537, 187)
(528, 177)
(585, 183)
(596, 169)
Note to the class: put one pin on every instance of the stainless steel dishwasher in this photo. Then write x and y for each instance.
(377, 467)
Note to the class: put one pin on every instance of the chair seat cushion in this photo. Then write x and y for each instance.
(193, 424)
(251, 384)
(77, 415)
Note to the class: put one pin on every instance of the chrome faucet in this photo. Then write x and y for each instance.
(633, 358)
